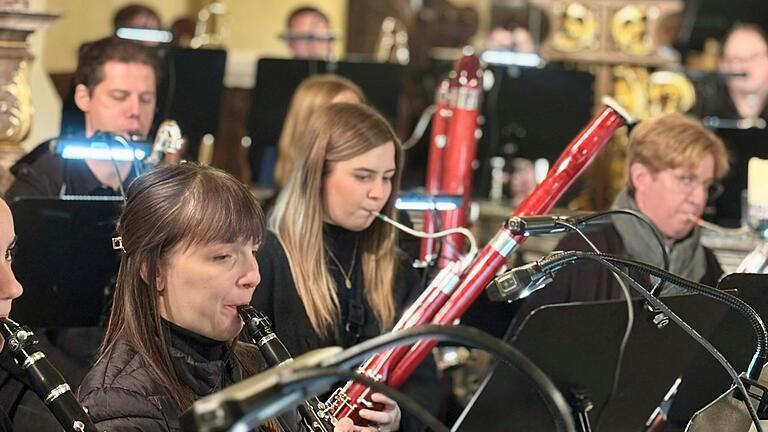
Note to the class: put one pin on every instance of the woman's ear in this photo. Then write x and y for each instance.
(159, 281)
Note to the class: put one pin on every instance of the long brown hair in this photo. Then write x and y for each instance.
(175, 206)
(313, 94)
(340, 132)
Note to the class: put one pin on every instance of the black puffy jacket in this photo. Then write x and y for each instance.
(121, 394)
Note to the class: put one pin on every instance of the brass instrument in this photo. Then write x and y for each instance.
(648, 94)
(212, 29)
(670, 92)
(168, 143)
(392, 43)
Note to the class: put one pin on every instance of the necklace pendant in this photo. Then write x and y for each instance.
(347, 283)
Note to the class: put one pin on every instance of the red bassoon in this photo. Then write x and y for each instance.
(460, 152)
(568, 167)
(449, 296)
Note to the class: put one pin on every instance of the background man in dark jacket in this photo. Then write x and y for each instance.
(115, 88)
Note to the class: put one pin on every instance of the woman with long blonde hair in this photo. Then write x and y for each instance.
(331, 271)
(312, 95)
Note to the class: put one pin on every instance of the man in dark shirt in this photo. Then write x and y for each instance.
(115, 87)
(673, 165)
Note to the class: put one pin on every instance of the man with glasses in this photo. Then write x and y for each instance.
(745, 50)
(673, 167)
(308, 34)
(734, 104)
(743, 95)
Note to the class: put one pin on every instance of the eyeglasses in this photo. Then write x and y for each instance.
(687, 183)
(734, 61)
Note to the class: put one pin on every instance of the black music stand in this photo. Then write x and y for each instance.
(277, 79)
(531, 113)
(64, 259)
(705, 379)
(577, 346)
(196, 85)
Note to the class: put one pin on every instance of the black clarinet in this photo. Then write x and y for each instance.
(259, 330)
(44, 379)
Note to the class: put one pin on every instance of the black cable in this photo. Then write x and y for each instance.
(603, 259)
(656, 290)
(627, 330)
(642, 218)
(405, 401)
(123, 143)
(553, 399)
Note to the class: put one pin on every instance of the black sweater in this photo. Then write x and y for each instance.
(278, 298)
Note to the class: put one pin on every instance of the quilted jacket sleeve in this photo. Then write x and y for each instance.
(115, 409)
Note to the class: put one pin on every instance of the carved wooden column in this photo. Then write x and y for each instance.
(17, 22)
(620, 41)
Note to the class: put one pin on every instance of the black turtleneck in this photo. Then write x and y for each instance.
(204, 347)
(205, 365)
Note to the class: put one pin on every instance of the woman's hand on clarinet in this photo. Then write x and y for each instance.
(386, 420)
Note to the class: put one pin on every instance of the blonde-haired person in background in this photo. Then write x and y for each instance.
(312, 95)
(331, 271)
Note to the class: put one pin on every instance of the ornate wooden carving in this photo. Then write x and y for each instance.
(17, 22)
